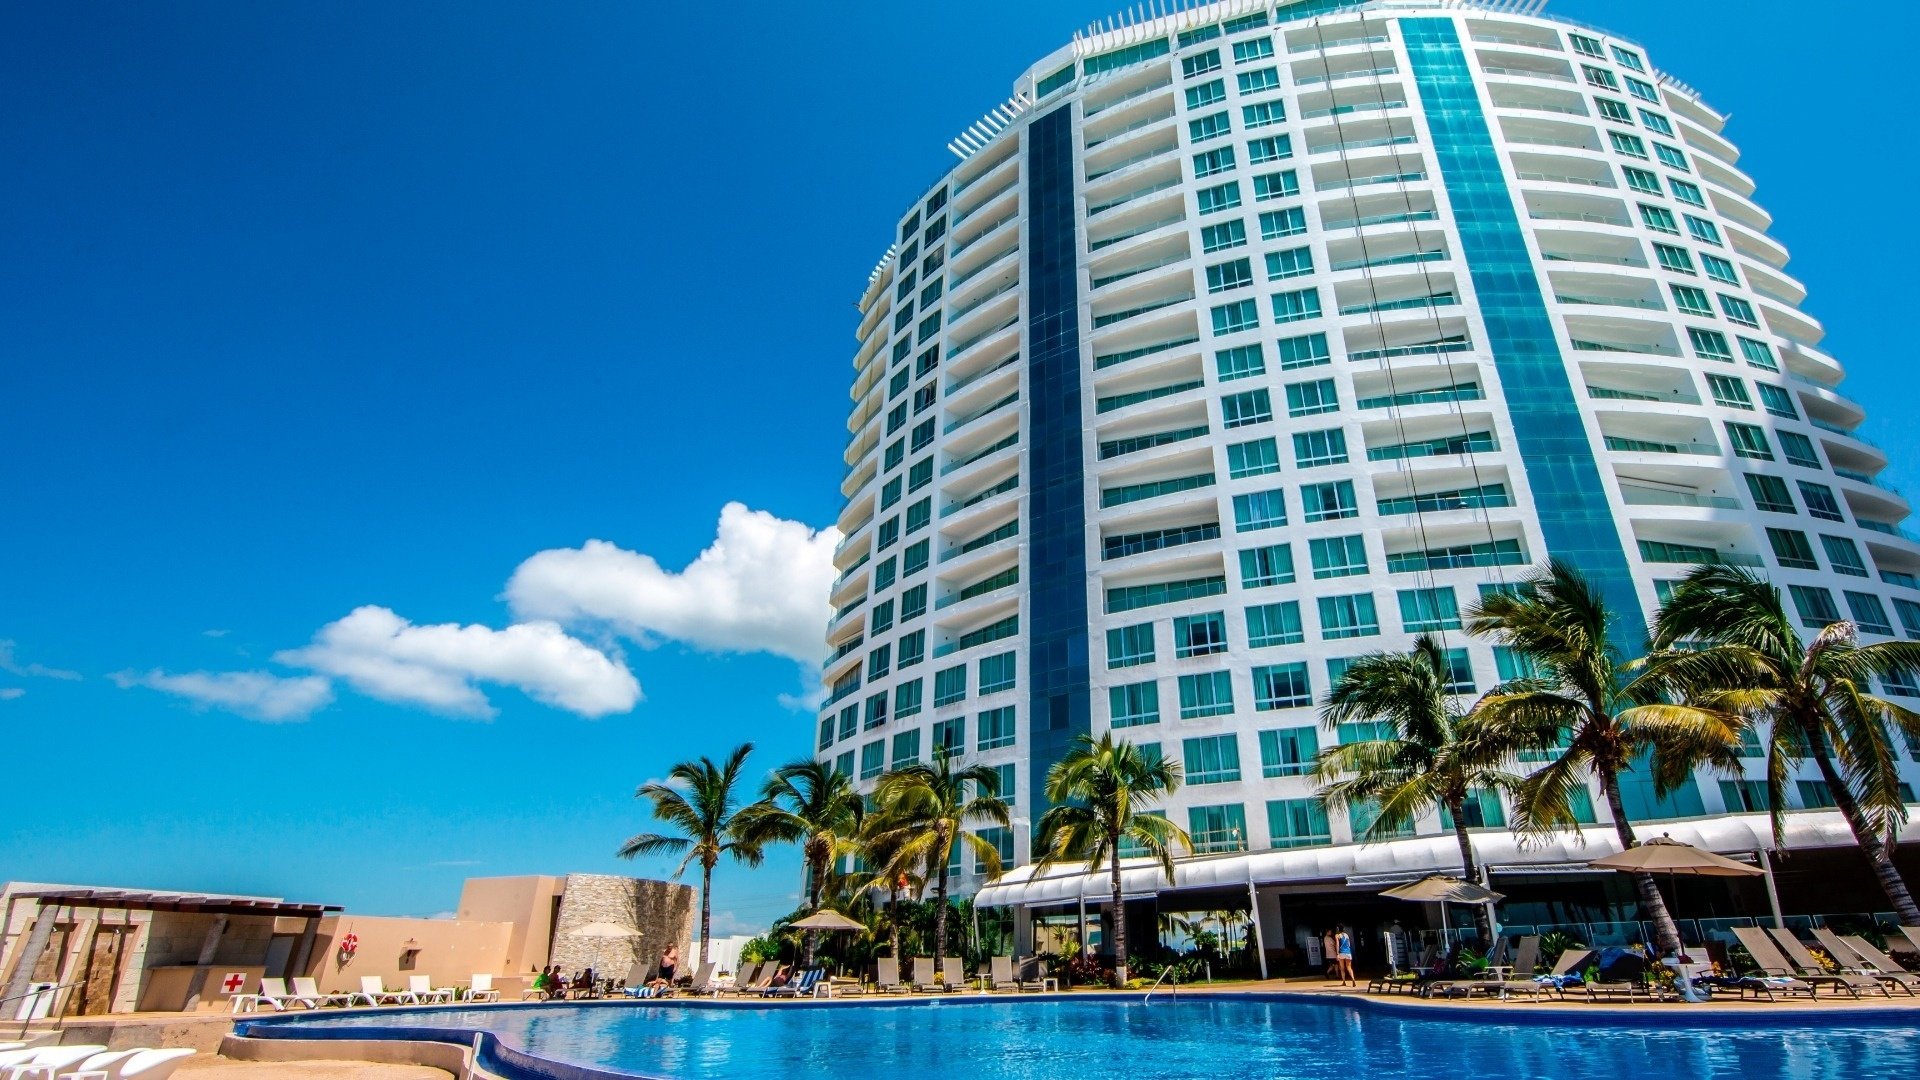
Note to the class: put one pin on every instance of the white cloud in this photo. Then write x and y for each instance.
(31, 671)
(257, 694)
(10, 693)
(383, 655)
(761, 586)
(215, 633)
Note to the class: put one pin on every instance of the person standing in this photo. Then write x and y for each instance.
(1326, 953)
(1343, 955)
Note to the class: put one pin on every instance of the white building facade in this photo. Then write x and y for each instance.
(1255, 337)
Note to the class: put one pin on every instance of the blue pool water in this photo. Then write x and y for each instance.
(1190, 1037)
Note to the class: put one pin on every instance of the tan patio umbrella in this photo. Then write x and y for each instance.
(825, 919)
(1665, 855)
(1443, 890)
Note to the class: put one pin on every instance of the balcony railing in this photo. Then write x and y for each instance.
(1563, 178)
(1121, 316)
(1143, 230)
(1109, 359)
(1012, 438)
(1644, 496)
(1650, 446)
(1425, 348)
(1611, 301)
(1382, 219)
(989, 410)
(1364, 262)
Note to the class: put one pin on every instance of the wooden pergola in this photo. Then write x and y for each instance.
(26, 957)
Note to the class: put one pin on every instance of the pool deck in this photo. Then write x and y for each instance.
(1879, 1007)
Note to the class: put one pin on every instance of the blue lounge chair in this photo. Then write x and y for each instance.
(799, 987)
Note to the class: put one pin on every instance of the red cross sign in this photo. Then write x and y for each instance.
(233, 983)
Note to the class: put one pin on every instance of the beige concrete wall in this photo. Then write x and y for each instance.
(528, 903)
(451, 951)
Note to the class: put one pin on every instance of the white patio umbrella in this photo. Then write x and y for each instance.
(1443, 890)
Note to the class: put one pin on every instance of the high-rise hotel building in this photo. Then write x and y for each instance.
(1253, 337)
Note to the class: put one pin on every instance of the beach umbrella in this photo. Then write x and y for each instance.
(1665, 855)
(825, 919)
(1443, 890)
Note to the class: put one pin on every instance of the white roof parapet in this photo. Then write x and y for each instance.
(987, 128)
(1158, 18)
(1667, 79)
(879, 269)
(881, 266)
(1348, 865)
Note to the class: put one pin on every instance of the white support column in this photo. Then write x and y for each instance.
(1773, 894)
(1259, 932)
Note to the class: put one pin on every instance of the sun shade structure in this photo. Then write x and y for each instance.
(1664, 855)
(826, 920)
(1441, 889)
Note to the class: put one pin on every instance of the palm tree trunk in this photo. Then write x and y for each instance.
(1482, 919)
(815, 874)
(1666, 934)
(893, 916)
(940, 910)
(1118, 912)
(1875, 849)
(706, 906)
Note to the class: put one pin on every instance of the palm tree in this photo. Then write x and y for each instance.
(1582, 707)
(1436, 757)
(1100, 793)
(814, 805)
(878, 841)
(698, 798)
(1813, 696)
(927, 811)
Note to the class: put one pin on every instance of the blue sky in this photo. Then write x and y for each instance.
(307, 310)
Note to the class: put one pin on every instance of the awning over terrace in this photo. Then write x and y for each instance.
(1392, 862)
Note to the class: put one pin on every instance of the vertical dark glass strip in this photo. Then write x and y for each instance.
(1058, 707)
(1568, 496)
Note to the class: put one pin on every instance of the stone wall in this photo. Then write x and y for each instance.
(658, 911)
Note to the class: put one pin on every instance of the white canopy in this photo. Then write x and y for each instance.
(1393, 862)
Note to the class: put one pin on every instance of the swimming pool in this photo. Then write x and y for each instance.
(1269, 1036)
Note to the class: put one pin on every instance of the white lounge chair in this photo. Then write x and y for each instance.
(153, 1064)
(109, 1063)
(421, 988)
(481, 989)
(376, 993)
(57, 1058)
(307, 989)
(274, 992)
